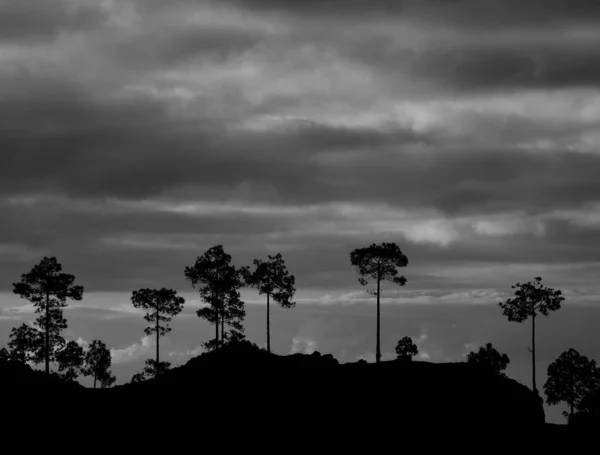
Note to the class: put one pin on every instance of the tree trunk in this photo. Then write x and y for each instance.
(216, 325)
(222, 321)
(217, 331)
(95, 380)
(157, 346)
(533, 352)
(268, 325)
(378, 350)
(47, 333)
(572, 399)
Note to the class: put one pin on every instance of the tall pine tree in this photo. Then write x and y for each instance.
(48, 289)
(531, 299)
(271, 278)
(379, 263)
(161, 305)
(217, 282)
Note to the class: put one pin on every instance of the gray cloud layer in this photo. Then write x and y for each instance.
(38, 20)
(464, 12)
(135, 134)
(465, 130)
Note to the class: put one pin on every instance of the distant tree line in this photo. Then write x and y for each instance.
(213, 276)
(573, 379)
(48, 288)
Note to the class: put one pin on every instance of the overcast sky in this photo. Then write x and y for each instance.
(136, 134)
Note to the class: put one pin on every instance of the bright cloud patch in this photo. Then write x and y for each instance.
(133, 352)
(436, 232)
(514, 226)
(184, 355)
(302, 345)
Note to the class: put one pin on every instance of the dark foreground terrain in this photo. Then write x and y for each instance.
(226, 397)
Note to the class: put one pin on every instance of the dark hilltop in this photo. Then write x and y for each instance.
(242, 379)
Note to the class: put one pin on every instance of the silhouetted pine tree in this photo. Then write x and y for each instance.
(216, 281)
(97, 361)
(531, 299)
(406, 349)
(48, 289)
(25, 344)
(161, 306)
(488, 357)
(571, 377)
(272, 278)
(379, 262)
(70, 361)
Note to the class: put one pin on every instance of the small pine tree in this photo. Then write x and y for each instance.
(571, 377)
(406, 349)
(97, 361)
(490, 358)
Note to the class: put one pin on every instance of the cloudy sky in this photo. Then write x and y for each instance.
(136, 134)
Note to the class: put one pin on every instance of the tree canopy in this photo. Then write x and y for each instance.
(406, 349)
(161, 305)
(487, 356)
(271, 278)
(48, 288)
(571, 377)
(589, 406)
(107, 380)
(25, 344)
(531, 298)
(97, 362)
(70, 361)
(380, 263)
(152, 369)
(217, 282)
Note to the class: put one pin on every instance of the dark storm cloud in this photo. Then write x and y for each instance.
(61, 139)
(162, 47)
(473, 13)
(144, 246)
(38, 106)
(477, 67)
(37, 20)
(57, 136)
(470, 45)
(119, 250)
(256, 107)
(463, 181)
(89, 219)
(501, 69)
